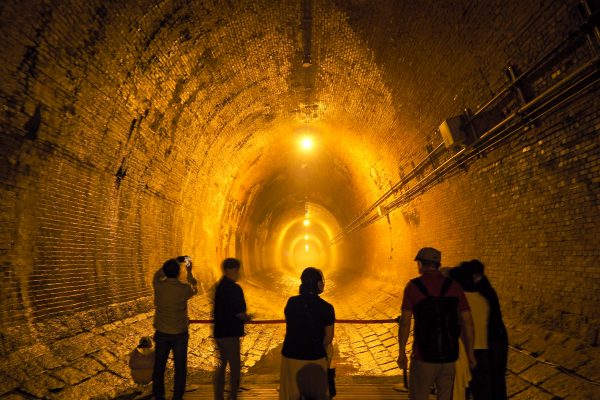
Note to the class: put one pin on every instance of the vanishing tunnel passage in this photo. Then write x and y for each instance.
(340, 134)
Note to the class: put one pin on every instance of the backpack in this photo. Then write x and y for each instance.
(436, 325)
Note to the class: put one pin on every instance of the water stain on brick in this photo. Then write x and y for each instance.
(132, 126)
(121, 173)
(160, 25)
(32, 126)
(157, 122)
(411, 216)
(29, 63)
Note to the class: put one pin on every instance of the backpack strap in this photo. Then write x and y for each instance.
(445, 287)
(419, 284)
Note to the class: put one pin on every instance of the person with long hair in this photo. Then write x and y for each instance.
(497, 335)
(491, 339)
(309, 331)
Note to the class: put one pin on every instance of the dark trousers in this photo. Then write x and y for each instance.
(229, 353)
(480, 385)
(498, 360)
(166, 342)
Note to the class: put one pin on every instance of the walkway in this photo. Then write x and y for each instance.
(345, 392)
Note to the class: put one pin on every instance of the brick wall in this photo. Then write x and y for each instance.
(528, 212)
(124, 129)
(526, 208)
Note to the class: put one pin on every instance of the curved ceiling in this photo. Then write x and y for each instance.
(191, 114)
(204, 103)
(221, 90)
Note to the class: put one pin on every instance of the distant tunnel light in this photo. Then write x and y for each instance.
(306, 247)
(307, 143)
(307, 222)
(305, 237)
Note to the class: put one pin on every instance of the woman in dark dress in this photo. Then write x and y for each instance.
(309, 331)
(497, 335)
(489, 377)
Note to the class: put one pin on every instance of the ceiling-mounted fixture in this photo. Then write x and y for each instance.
(306, 32)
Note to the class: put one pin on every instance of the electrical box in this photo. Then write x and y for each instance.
(452, 132)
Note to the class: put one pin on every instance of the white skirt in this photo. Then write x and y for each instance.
(306, 378)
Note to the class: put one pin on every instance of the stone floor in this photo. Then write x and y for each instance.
(542, 366)
(370, 350)
(270, 392)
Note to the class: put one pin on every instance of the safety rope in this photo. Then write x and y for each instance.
(395, 320)
(282, 321)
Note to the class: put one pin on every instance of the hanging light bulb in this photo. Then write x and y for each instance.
(307, 143)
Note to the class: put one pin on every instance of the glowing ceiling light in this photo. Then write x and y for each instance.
(306, 222)
(307, 143)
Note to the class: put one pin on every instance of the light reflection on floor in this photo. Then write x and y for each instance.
(359, 350)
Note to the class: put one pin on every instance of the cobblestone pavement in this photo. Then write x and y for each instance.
(542, 365)
(368, 349)
(345, 392)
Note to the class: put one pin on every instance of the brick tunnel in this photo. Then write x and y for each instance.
(344, 134)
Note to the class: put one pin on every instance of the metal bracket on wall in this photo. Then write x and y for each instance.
(516, 86)
(582, 78)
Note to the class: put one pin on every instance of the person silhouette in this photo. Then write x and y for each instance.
(309, 331)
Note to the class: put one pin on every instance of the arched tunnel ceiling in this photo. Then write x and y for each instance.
(227, 78)
(200, 105)
(213, 84)
(135, 130)
(217, 83)
(203, 103)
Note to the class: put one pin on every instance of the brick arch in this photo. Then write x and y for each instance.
(127, 126)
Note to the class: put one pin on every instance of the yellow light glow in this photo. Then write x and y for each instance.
(305, 237)
(306, 247)
(307, 143)
(306, 222)
(289, 250)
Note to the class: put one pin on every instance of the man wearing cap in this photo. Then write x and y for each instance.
(423, 374)
(171, 294)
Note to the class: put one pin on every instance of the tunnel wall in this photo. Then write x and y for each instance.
(88, 211)
(114, 118)
(118, 147)
(526, 208)
(77, 242)
(528, 212)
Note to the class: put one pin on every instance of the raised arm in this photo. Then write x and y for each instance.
(191, 279)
